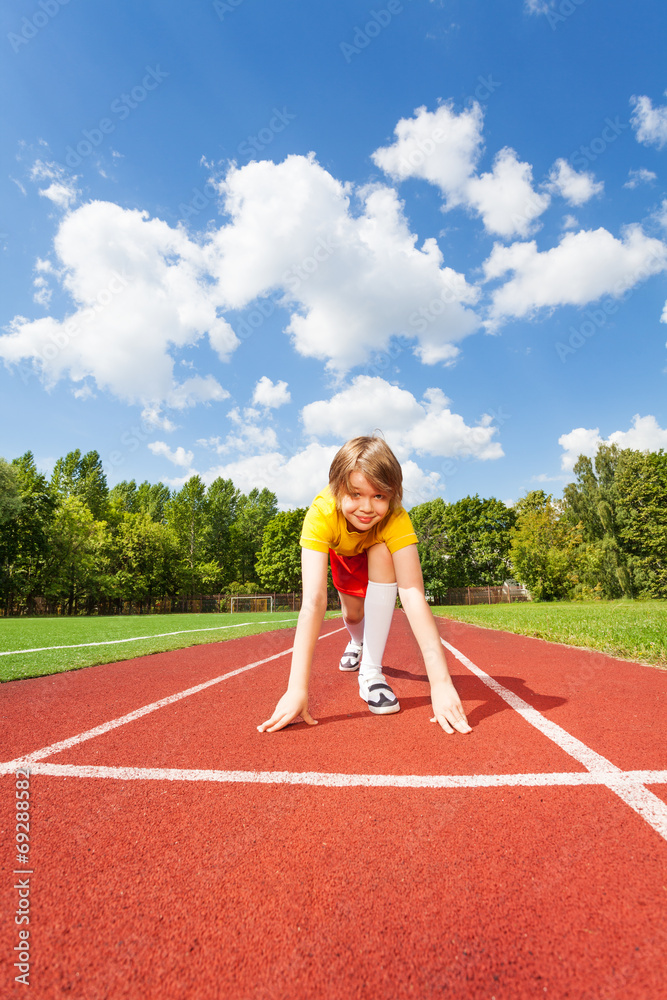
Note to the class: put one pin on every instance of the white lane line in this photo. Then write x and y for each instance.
(138, 638)
(570, 744)
(140, 712)
(332, 780)
(633, 793)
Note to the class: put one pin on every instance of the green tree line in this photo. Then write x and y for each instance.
(606, 538)
(77, 543)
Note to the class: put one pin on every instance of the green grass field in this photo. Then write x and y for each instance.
(633, 630)
(18, 634)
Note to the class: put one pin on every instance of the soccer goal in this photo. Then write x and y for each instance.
(251, 602)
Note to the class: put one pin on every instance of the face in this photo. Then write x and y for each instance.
(364, 506)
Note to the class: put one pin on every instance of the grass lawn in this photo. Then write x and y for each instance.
(633, 630)
(18, 634)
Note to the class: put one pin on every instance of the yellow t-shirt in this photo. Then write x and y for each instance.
(325, 527)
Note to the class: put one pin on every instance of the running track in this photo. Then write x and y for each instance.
(177, 853)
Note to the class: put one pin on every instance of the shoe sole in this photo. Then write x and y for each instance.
(386, 710)
(390, 709)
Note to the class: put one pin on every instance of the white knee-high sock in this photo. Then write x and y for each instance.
(378, 609)
(356, 630)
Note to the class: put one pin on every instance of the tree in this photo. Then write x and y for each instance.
(641, 515)
(75, 543)
(463, 544)
(82, 477)
(187, 516)
(253, 513)
(223, 499)
(10, 493)
(128, 498)
(279, 561)
(478, 539)
(539, 551)
(618, 504)
(24, 539)
(144, 557)
(429, 522)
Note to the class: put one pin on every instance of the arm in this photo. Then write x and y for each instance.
(446, 702)
(294, 702)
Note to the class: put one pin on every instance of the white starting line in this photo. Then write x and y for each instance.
(329, 780)
(630, 786)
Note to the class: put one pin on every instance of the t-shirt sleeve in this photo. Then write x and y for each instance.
(398, 532)
(316, 531)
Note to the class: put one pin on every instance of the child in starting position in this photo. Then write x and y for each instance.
(359, 524)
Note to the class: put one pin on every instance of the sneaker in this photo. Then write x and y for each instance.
(351, 658)
(375, 691)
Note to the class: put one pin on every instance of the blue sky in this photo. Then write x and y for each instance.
(235, 234)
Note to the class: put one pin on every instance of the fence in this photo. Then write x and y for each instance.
(200, 604)
(509, 593)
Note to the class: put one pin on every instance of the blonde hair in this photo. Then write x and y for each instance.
(373, 457)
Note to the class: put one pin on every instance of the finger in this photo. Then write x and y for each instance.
(275, 722)
(444, 724)
(307, 717)
(459, 721)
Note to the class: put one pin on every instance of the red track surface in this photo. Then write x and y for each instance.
(148, 887)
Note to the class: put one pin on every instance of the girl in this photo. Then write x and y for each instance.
(359, 524)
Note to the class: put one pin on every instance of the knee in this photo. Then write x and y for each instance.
(381, 564)
(352, 607)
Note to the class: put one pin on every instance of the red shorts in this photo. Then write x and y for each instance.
(349, 573)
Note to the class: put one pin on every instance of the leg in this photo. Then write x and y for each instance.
(353, 616)
(379, 607)
(350, 577)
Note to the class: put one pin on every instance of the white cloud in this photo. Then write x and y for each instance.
(505, 197)
(419, 486)
(576, 188)
(62, 190)
(583, 267)
(428, 427)
(295, 479)
(641, 176)
(248, 434)
(179, 456)
(443, 148)
(154, 419)
(537, 6)
(645, 434)
(439, 146)
(570, 222)
(352, 282)
(543, 478)
(140, 290)
(649, 123)
(271, 394)
(42, 295)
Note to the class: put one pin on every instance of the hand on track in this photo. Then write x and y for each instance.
(292, 705)
(448, 708)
